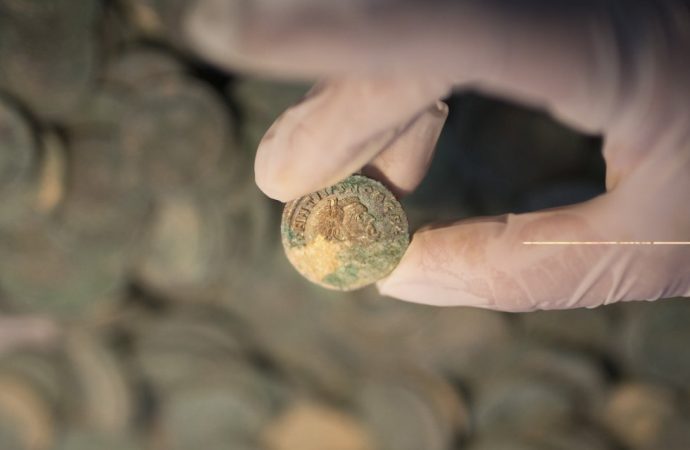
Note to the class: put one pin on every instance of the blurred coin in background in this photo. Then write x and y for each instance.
(48, 53)
(522, 406)
(18, 143)
(104, 200)
(458, 342)
(212, 415)
(182, 252)
(105, 399)
(139, 68)
(86, 439)
(183, 135)
(26, 419)
(578, 375)
(586, 329)
(411, 409)
(41, 194)
(643, 415)
(311, 425)
(40, 274)
(160, 19)
(186, 346)
(653, 341)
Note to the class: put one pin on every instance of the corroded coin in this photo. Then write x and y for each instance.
(345, 236)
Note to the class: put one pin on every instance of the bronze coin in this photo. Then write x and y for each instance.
(345, 236)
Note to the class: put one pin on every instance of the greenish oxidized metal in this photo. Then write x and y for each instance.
(346, 236)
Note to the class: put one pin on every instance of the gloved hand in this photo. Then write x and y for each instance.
(622, 70)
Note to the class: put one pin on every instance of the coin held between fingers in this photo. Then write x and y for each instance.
(345, 236)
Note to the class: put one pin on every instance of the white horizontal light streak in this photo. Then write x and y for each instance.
(606, 243)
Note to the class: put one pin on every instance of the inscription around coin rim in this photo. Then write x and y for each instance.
(298, 211)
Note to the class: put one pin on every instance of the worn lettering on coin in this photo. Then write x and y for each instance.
(345, 236)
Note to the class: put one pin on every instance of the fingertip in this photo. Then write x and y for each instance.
(267, 178)
(342, 126)
(423, 293)
(404, 162)
(269, 188)
(440, 108)
(285, 173)
(381, 287)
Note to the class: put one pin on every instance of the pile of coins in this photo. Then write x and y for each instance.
(147, 303)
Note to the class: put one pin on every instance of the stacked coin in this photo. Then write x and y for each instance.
(46, 394)
(103, 201)
(310, 424)
(586, 329)
(48, 52)
(71, 225)
(646, 416)
(18, 162)
(412, 409)
(139, 68)
(104, 397)
(206, 388)
(26, 421)
(40, 273)
(80, 439)
(182, 134)
(458, 341)
(183, 249)
(160, 19)
(652, 341)
(315, 349)
(171, 349)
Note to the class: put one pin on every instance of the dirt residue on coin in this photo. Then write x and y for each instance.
(345, 236)
(320, 258)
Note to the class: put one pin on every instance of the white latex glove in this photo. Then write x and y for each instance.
(623, 71)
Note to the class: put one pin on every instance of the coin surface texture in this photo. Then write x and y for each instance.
(345, 236)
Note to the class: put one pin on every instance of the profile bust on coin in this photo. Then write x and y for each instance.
(346, 236)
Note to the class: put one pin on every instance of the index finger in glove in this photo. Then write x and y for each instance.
(346, 123)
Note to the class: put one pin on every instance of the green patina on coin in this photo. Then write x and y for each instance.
(346, 236)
